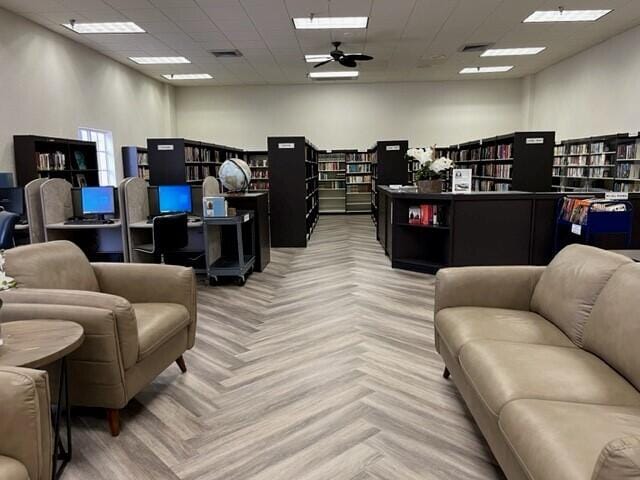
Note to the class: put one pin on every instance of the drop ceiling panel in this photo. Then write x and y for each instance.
(411, 40)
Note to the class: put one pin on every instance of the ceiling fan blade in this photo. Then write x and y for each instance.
(347, 61)
(323, 63)
(360, 58)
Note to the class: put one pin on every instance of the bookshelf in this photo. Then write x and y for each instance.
(332, 187)
(389, 166)
(359, 177)
(178, 160)
(585, 164)
(294, 190)
(49, 157)
(627, 172)
(258, 162)
(521, 161)
(135, 162)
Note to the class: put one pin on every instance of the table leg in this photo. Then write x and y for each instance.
(60, 453)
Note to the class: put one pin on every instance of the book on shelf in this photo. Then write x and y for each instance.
(360, 157)
(356, 179)
(51, 161)
(79, 162)
(355, 168)
(143, 173)
(575, 210)
(628, 170)
(260, 162)
(142, 159)
(628, 151)
(427, 214)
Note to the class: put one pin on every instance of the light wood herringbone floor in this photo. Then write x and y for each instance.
(321, 368)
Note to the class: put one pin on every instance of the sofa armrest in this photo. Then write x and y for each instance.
(619, 459)
(25, 420)
(150, 283)
(109, 323)
(498, 287)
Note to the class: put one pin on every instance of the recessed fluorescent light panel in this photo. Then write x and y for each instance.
(306, 23)
(104, 27)
(322, 58)
(499, 69)
(561, 15)
(188, 76)
(345, 74)
(508, 52)
(159, 60)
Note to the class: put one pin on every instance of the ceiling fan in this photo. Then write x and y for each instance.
(346, 60)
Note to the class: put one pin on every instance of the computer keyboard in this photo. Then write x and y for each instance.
(87, 221)
(189, 220)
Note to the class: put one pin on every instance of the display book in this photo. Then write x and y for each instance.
(576, 210)
(427, 215)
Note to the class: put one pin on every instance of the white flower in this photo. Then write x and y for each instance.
(415, 153)
(440, 165)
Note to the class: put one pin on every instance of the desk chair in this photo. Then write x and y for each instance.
(8, 222)
(170, 235)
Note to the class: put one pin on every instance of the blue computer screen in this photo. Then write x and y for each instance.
(174, 198)
(98, 200)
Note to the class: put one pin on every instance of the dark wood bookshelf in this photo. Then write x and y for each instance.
(178, 160)
(389, 166)
(294, 190)
(135, 162)
(51, 157)
(258, 162)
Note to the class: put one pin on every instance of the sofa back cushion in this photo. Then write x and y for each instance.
(613, 330)
(59, 264)
(569, 286)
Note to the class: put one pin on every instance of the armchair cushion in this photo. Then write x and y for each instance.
(571, 284)
(59, 264)
(619, 460)
(157, 323)
(459, 325)
(25, 421)
(11, 469)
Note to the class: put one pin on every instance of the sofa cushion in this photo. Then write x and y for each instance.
(613, 330)
(460, 325)
(157, 323)
(619, 460)
(11, 469)
(59, 264)
(569, 286)
(558, 440)
(501, 372)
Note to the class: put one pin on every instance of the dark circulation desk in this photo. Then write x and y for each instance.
(480, 228)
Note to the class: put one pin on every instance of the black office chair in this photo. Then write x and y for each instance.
(170, 235)
(8, 221)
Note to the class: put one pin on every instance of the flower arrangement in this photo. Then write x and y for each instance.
(6, 282)
(430, 168)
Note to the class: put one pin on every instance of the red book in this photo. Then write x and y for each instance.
(426, 212)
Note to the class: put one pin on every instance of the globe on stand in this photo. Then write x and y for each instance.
(235, 175)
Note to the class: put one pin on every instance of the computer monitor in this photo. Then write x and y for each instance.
(12, 200)
(174, 199)
(98, 201)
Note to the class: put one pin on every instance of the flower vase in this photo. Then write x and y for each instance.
(429, 186)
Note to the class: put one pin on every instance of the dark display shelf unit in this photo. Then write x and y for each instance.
(49, 157)
(520, 161)
(294, 190)
(627, 172)
(178, 160)
(389, 166)
(258, 162)
(135, 162)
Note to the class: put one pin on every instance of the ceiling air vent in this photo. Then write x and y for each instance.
(475, 47)
(226, 53)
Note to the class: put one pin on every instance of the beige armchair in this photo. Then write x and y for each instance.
(26, 450)
(137, 318)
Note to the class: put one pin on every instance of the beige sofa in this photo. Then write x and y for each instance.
(138, 318)
(547, 360)
(26, 450)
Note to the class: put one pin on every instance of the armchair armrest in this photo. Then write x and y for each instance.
(150, 283)
(620, 458)
(110, 328)
(498, 287)
(25, 420)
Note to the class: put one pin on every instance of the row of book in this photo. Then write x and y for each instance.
(259, 185)
(359, 179)
(332, 166)
(490, 186)
(428, 214)
(197, 154)
(499, 170)
(628, 170)
(51, 161)
(142, 159)
(260, 173)
(503, 151)
(331, 157)
(261, 161)
(628, 151)
(354, 168)
(358, 157)
(627, 187)
(331, 175)
(333, 184)
(576, 210)
(143, 173)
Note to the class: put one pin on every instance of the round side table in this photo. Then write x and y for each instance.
(35, 344)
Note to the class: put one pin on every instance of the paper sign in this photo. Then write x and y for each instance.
(535, 141)
(165, 147)
(393, 148)
(461, 180)
(576, 229)
(616, 196)
(287, 146)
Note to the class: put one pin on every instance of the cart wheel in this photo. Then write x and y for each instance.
(240, 281)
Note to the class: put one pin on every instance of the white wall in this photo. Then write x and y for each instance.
(593, 93)
(350, 115)
(50, 85)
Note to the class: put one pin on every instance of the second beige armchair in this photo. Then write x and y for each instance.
(138, 318)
